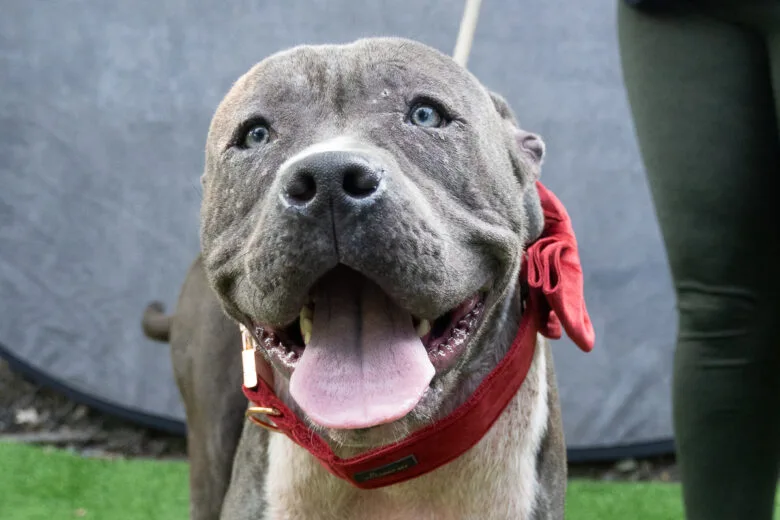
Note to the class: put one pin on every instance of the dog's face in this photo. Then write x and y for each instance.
(365, 211)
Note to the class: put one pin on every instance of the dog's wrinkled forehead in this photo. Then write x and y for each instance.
(347, 81)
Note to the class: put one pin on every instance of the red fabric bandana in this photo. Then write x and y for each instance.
(554, 278)
(553, 266)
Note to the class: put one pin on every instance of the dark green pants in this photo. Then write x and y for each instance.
(703, 82)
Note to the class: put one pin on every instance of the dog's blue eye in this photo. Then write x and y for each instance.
(256, 136)
(426, 116)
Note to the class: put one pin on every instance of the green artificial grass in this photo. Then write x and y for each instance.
(589, 500)
(48, 484)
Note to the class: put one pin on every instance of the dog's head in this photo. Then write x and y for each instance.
(365, 211)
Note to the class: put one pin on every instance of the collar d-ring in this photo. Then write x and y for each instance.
(254, 414)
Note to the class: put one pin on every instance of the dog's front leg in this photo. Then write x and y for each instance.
(245, 499)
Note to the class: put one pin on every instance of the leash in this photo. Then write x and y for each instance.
(468, 25)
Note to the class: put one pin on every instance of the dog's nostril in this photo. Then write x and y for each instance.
(359, 182)
(302, 188)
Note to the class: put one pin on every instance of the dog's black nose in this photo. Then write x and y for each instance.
(342, 176)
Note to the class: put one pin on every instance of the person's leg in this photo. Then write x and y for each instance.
(701, 99)
(769, 17)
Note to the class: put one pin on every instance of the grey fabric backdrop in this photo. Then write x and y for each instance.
(104, 109)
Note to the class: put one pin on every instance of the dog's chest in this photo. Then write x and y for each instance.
(495, 480)
(467, 489)
(311, 493)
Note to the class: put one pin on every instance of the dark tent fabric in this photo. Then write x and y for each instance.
(105, 107)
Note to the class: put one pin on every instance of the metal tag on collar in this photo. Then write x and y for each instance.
(248, 358)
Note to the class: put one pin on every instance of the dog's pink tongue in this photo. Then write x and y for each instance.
(364, 365)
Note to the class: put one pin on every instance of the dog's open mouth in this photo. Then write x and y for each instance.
(359, 360)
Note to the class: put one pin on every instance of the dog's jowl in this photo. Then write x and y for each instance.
(372, 218)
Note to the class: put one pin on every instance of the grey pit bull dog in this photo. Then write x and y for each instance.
(366, 208)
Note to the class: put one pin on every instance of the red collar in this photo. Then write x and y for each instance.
(554, 278)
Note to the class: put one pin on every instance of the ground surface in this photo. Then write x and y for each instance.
(51, 484)
(37, 416)
(33, 415)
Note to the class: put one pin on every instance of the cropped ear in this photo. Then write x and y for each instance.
(526, 151)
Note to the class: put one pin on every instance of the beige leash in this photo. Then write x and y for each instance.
(466, 33)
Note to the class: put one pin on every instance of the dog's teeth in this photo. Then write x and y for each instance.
(306, 324)
(423, 328)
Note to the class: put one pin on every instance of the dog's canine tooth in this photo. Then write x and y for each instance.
(306, 323)
(423, 328)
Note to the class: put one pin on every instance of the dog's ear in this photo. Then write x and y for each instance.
(528, 145)
(526, 151)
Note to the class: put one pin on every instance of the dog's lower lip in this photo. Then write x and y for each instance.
(445, 340)
(444, 350)
(284, 352)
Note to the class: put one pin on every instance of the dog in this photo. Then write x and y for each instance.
(366, 211)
